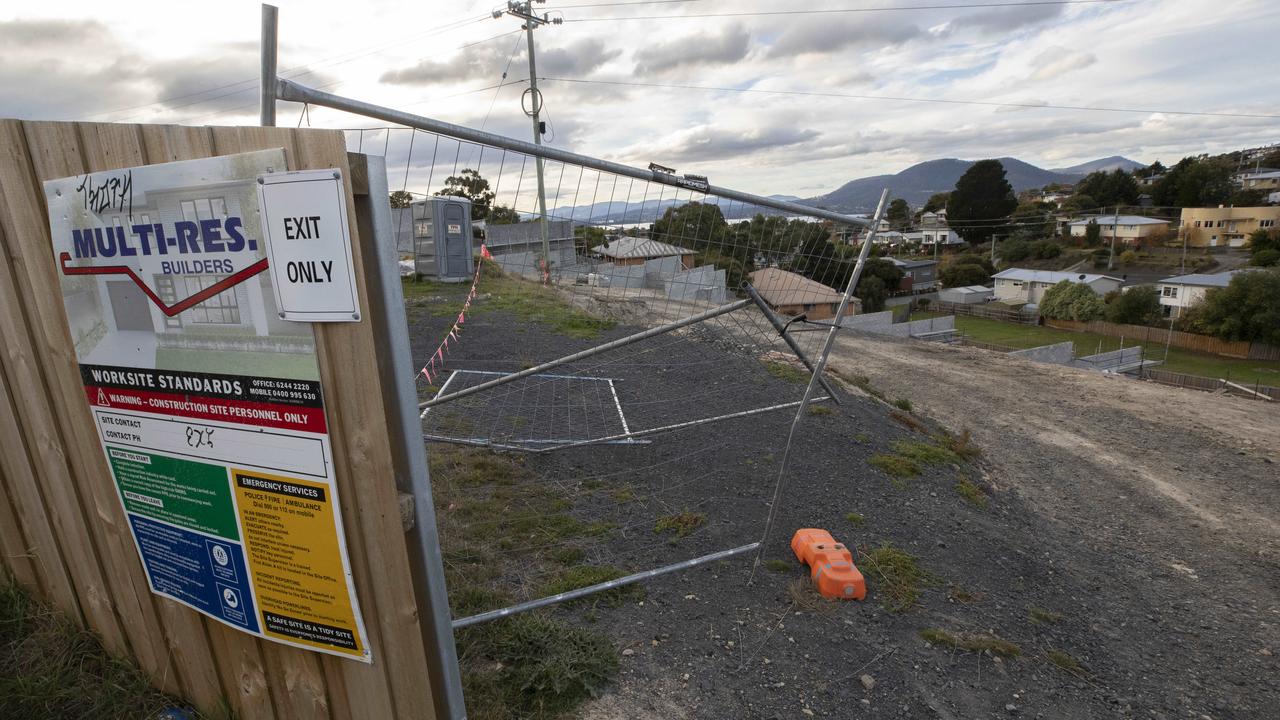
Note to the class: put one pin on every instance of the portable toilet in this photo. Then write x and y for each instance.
(442, 243)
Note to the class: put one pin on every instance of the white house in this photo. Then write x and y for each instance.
(1128, 229)
(935, 231)
(1019, 285)
(1182, 291)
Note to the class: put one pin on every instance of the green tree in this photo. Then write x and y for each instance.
(1139, 305)
(898, 214)
(965, 269)
(469, 184)
(1196, 182)
(1046, 249)
(1072, 301)
(502, 215)
(693, 225)
(880, 278)
(1092, 234)
(1114, 188)
(936, 202)
(401, 199)
(983, 198)
(1248, 308)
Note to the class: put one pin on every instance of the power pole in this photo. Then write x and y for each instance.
(524, 11)
(1115, 220)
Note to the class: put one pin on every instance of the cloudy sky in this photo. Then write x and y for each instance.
(785, 103)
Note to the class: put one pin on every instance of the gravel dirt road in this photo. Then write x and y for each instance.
(1130, 528)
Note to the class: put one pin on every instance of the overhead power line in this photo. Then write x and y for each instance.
(838, 11)
(899, 98)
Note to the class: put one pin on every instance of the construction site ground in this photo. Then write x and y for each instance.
(1119, 558)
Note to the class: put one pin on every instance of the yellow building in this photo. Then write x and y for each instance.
(1225, 226)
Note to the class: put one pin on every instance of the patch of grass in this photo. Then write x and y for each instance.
(862, 438)
(895, 466)
(1180, 360)
(820, 410)
(971, 493)
(565, 555)
(896, 574)
(908, 421)
(925, 453)
(855, 518)
(902, 404)
(778, 565)
(531, 666)
(963, 596)
(51, 668)
(962, 445)
(806, 597)
(681, 524)
(528, 301)
(467, 599)
(971, 643)
(1065, 662)
(1046, 617)
(623, 494)
(585, 575)
(786, 372)
(863, 383)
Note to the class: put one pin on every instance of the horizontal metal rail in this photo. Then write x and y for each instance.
(612, 439)
(600, 587)
(292, 91)
(620, 342)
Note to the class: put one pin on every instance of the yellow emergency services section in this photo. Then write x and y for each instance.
(295, 559)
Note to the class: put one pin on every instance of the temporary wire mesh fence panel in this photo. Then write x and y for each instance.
(617, 255)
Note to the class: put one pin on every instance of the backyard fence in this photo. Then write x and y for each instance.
(1198, 382)
(1189, 341)
(63, 532)
(986, 311)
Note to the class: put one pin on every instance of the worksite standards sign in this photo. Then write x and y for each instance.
(207, 404)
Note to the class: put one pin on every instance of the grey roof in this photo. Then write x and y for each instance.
(1121, 220)
(1204, 280)
(912, 263)
(625, 248)
(970, 289)
(1052, 277)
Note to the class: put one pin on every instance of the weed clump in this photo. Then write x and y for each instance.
(971, 643)
(585, 575)
(820, 410)
(778, 565)
(971, 492)
(962, 445)
(1046, 617)
(902, 404)
(1065, 662)
(855, 518)
(895, 466)
(908, 421)
(787, 372)
(806, 597)
(681, 524)
(531, 666)
(896, 574)
(925, 453)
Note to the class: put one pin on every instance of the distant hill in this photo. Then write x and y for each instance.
(918, 182)
(1106, 164)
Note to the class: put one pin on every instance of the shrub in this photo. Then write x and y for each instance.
(1047, 250)
(1072, 301)
(1266, 258)
(1136, 306)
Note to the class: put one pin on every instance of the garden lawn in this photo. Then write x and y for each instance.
(1245, 372)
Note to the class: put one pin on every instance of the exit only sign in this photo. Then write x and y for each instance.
(304, 220)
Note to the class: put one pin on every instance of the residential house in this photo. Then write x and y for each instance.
(792, 294)
(935, 231)
(636, 251)
(1127, 229)
(1182, 291)
(966, 295)
(1266, 180)
(1020, 285)
(1225, 226)
(918, 275)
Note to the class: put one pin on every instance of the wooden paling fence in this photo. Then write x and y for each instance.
(986, 311)
(63, 533)
(1189, 341)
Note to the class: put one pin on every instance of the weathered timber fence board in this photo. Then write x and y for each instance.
(64, 534)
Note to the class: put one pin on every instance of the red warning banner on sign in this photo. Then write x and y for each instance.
(288, 417)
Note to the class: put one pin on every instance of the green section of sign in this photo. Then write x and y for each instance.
(193, 495)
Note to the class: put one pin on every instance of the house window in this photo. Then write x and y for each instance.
(1169, 291)
(1222, 223)
(1266, 223)
(221, 309)
(1197, 223)
(203, 209)
(164, 287)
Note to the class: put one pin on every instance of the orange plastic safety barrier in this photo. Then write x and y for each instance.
(830, 564)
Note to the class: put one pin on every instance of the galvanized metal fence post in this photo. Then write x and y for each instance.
(267, 111)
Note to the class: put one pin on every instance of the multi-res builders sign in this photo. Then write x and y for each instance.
(207, 403)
